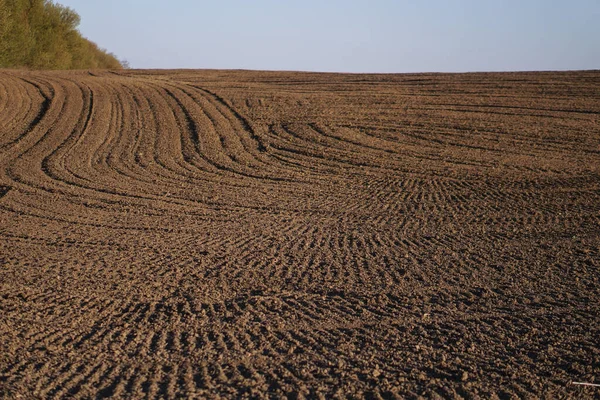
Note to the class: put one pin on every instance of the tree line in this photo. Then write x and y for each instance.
(41, 34)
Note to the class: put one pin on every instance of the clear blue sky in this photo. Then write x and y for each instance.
(347, 35)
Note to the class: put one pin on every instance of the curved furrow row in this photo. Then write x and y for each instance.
(14, 113)
(54, 163)
(31, 120)
(231, 137)
(32, 100)
(175, 234)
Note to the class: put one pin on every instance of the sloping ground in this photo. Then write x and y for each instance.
(205, 233)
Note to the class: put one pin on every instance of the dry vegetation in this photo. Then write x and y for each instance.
(204, 233)
(40, 34)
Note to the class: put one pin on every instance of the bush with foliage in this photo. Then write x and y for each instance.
(40, 34)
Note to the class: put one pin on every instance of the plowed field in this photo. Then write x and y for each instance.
(172, 234)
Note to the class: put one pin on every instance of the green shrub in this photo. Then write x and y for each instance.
(41, 34)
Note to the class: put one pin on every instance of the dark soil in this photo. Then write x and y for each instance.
(175, 234)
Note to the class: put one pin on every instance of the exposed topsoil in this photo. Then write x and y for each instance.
(260, 234)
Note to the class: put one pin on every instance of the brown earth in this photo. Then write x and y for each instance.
(261, 234)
